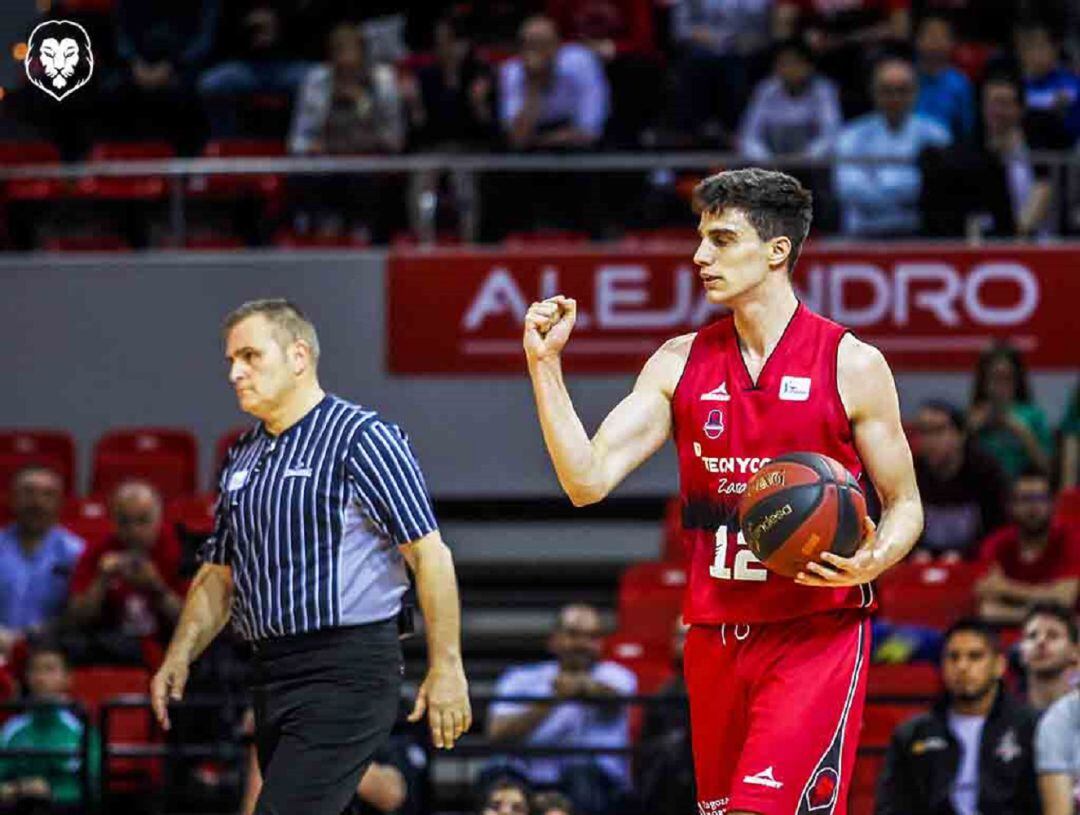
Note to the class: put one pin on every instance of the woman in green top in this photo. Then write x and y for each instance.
(1003, 420)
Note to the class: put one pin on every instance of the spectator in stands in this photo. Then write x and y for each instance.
(450, 102)
(963, 490)
(348, 105)
(973, 752)
(665, 764)
(846, 38)
(793, 113)
(161, 48)
(262, 48)
(37, 555)
(551, 803)
(718, 44)
(552, 95)
(1057, 756)
(595, 784)
(505, 796)
(127, 589)
(945, 94)
(39, 784)
(1004, 420)
(1049, 84)
(879, 200)
(1049, 653)
(1030, 561)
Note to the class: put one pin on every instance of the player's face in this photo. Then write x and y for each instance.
(732, 257)
(1045, 647)
(260, 370)
(969, 667)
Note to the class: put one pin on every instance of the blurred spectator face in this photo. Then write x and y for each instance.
(259, 370)
(1037, 51)
(1001, 380)
(136, 513)
(969, 666)
(506, 800)
(448, 46)
(1003, 109)
(347, 50)
(539, 45)
(1045, 647)
(47, 676)
(36, 496)
(1032, 505)
(934, 43)
(793, 69)
(940, 441)
(578, 639)
(894, 89)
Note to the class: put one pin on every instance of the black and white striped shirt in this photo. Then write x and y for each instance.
(310, 521)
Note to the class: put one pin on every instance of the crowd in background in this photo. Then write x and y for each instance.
(989, 475)
(946, 102)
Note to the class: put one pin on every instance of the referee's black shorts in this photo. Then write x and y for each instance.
(324, 701)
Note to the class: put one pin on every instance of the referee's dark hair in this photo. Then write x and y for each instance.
(1059, 613)
(290, 323)
(972, 625)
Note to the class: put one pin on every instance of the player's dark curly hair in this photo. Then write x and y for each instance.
(775, 203)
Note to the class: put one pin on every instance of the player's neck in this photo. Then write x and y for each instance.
(294, 408)
(761, 320)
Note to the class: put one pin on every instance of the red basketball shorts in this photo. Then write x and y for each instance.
(775, 711)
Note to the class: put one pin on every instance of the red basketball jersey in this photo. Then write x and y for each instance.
(727, 427)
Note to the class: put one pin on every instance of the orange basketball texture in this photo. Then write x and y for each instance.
(798, 506)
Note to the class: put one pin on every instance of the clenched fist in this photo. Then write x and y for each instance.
(547, 327)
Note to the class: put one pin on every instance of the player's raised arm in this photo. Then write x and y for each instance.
(868, 392)
(589, 469)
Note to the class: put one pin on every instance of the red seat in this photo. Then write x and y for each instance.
(167, 457)
(934, 594)
(224, 442)
(1068, 505)
(87, 243)
(235, 185)
(126, 188)
(20, 153)
(650, 599)
(918, 680)
(194, 513)
(213, 243)
(88, 518)
(54, 449)
(127, 727)
(880, 720)
(864, 784)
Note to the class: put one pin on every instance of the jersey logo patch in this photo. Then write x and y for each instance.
(822, 792)
(237, 480)
(720, 394)
(765, 778)
(714, 425)
(795, 388)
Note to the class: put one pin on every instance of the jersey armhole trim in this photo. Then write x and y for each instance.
(836, 383)
(682, 375)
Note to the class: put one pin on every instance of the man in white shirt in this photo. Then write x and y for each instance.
(554, 719)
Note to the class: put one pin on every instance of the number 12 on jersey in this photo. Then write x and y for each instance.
(747, 566)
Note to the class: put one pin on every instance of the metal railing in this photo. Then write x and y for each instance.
(425, 169)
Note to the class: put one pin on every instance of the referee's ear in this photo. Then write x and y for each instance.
(301, 358)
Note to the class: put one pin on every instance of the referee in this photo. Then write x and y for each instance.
(320, 508)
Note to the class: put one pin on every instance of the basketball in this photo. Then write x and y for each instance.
(798, 506)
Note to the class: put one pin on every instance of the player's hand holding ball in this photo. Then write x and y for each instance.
(547, 327)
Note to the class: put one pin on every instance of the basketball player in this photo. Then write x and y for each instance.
(775, 667)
